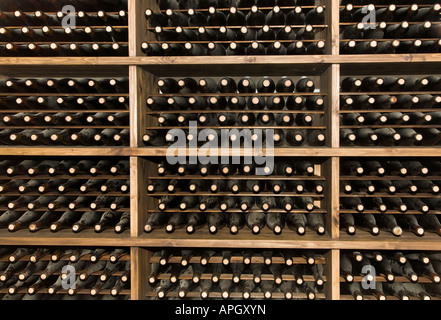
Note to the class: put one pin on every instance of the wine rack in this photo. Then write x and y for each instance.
(51, 29)
(408, 275)
(295, 107)
(56, 194)
(390, 110)
(33, 273)
(227, 274)
(211, 198)
(404, 27)
(390, 197)
(142, 145)
(65, 111)
(237, 30)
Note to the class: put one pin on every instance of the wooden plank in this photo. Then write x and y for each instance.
(332, 19)
(133, 105)
(66, 151)
(138, 196)
(140, 269)
(64, 61)
(138, 24)
(332, 273)
(315, 152)
(132, 23)
(148, 86)
(203, 61)
(142, 84)
(64, 237)
(244, 239)
(222, 239)
(332, 196)
(331, 85)
(279, 152)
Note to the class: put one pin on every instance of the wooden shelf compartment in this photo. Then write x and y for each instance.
(149, 257)
(426, 282)
(124, 258)
(123, 207)
(95, 72)
(144, 31)
(321, 167)
(147, 119)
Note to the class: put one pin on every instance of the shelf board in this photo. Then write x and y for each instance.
(65, 151)
(223, 239)
(278, 152)
(72, 61)
(203, 61)
(312, 152)
(64, 237)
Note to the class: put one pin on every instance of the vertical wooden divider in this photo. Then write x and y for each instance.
(332, 187)
(140, 85)
(332, 272)
(331, 85)
(332, 19)
(138, 24)
(138, 196)
(132, 6)
(140, 269)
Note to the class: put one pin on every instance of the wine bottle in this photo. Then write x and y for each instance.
(235, 222)
(255, 221)
(215, 221)
(195, 221)
(297, 222)
(88, 219)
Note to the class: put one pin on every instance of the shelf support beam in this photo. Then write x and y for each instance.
(332, 272)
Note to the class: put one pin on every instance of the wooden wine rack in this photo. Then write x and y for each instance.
(143, 72)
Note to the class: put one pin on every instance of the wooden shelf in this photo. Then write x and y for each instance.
(143, 71)
(201, 61)
(314, 152)
(66, 151)
(64, 237)
(178, 239)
